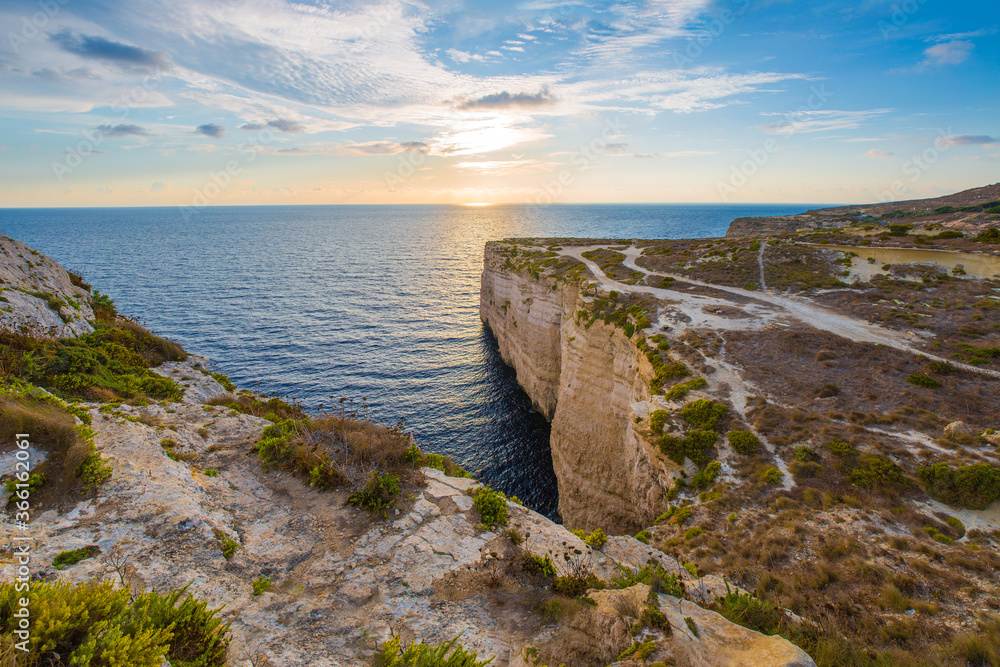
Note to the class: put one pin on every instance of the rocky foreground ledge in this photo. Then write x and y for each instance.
(181, 498)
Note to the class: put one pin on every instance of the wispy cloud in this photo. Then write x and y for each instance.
(821, 120)
(877, 153)
(970, 140)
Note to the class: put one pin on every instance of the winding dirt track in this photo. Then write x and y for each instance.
(795, 308)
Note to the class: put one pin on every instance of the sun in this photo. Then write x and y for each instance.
(477, 203)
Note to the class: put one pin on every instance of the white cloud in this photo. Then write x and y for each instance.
(463, 56)
(947, 53)
(877, 153)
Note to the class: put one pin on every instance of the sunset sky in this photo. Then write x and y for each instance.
(221, 102)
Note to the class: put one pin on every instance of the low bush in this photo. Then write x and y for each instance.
(679, 391)
(542, 565)
(921, 380)
(74, 556)
(772, 475)
(657, 420)
(644, 536)
(695, 445)
(745, 443)
(749, 611)
(492, 507)
(877, 473)
(706, 476)
(446, 654)
(596, 539)
(703, 413)
(378, 493)
(96, 624)
(974, 486)
(991, 235)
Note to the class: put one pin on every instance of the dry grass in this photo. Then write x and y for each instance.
(53, 430)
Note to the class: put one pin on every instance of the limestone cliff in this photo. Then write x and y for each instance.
(39, 296)
(584, 377)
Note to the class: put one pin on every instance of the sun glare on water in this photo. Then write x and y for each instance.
(477, 203)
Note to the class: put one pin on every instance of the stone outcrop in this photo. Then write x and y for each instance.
(585, 380)
(38, 296)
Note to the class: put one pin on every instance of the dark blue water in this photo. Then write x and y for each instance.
(376, 302)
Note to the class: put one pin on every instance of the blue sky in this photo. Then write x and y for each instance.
(222, 102)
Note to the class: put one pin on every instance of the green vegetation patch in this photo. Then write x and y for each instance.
(975, 486)
(96, 624)
(110, 363)
(745, 443)
(417, 654)
(703, 413)
(74, 556)
(695, 445)
(492, 507)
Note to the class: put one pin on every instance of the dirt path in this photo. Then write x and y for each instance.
(796, 308)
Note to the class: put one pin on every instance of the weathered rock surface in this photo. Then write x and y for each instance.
(342, 581)
(58, 308)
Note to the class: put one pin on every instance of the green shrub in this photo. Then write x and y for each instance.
(654, 576)
(991, 235)
(596, 539)
(93, 470)
(542, 565)
(679, 391)
(703, 414)
(644, 536)
(805, 454)
(98, 625)
(772, 475)
(949, 234)
(749, 611)
(74, 556)
(378, 493)
(657, 420)
(974, 486)
(877, 473)
(666, 373)
(692, 532)
(446, 654)
(692, 626)
(957, 524)
(841, 449)
(492, 507)
(745, 443)
(921, 380)
(227, 545)
(224, 380)
(261, 585)
(211, 472)
(706, 476)
(694, 445)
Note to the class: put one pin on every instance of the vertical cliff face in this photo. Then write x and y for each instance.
(585, 380)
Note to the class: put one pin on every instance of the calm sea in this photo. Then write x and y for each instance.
(374, 303)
